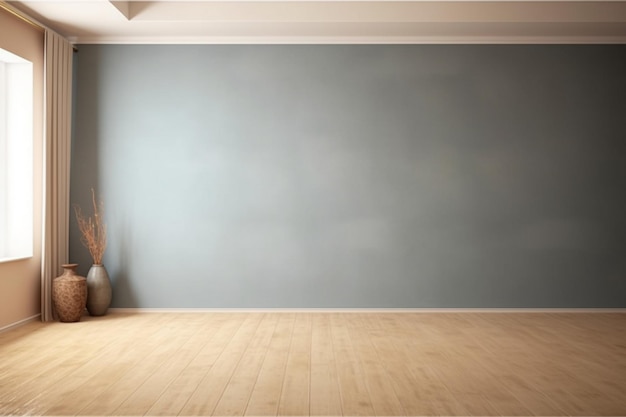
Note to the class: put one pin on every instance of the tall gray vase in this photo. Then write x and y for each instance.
(98, 290)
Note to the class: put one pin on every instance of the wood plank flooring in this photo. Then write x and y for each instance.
(319, 364)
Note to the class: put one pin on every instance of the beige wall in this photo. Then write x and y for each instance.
(19, 290)
(20, 280)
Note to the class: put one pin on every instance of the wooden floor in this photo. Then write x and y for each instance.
(384, 364)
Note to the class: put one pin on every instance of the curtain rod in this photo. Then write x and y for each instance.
(15, 12)
(20, 16)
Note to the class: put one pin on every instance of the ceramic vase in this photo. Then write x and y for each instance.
(98, 290)
(69, 294)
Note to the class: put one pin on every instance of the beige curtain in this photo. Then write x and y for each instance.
(57, 137)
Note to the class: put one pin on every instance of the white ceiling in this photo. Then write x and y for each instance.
(370, 21)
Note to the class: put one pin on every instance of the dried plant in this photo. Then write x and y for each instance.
(93, 230)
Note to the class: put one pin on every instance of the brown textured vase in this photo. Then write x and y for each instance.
(69, 294)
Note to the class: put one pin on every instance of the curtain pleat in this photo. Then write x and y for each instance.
(57, 141)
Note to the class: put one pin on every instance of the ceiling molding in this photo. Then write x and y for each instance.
(283, 40)
(327, 22)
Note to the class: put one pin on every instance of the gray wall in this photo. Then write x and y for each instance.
(356, 175)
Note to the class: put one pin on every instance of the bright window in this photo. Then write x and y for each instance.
(16, 157)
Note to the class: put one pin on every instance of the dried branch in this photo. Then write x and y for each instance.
(93, 230)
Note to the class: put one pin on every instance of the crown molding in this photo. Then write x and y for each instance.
(334, 22)
(339, 40)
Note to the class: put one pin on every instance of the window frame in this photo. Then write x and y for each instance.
(16, 157)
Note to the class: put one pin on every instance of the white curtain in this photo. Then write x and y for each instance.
(57, 141)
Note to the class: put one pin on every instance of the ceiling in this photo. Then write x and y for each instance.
(314, 21)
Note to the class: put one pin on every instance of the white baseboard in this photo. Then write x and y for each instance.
(367, 310)
(19, 323)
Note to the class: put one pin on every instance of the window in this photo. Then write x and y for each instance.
(16, 157)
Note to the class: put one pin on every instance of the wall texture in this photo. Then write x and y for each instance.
(356, 175)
